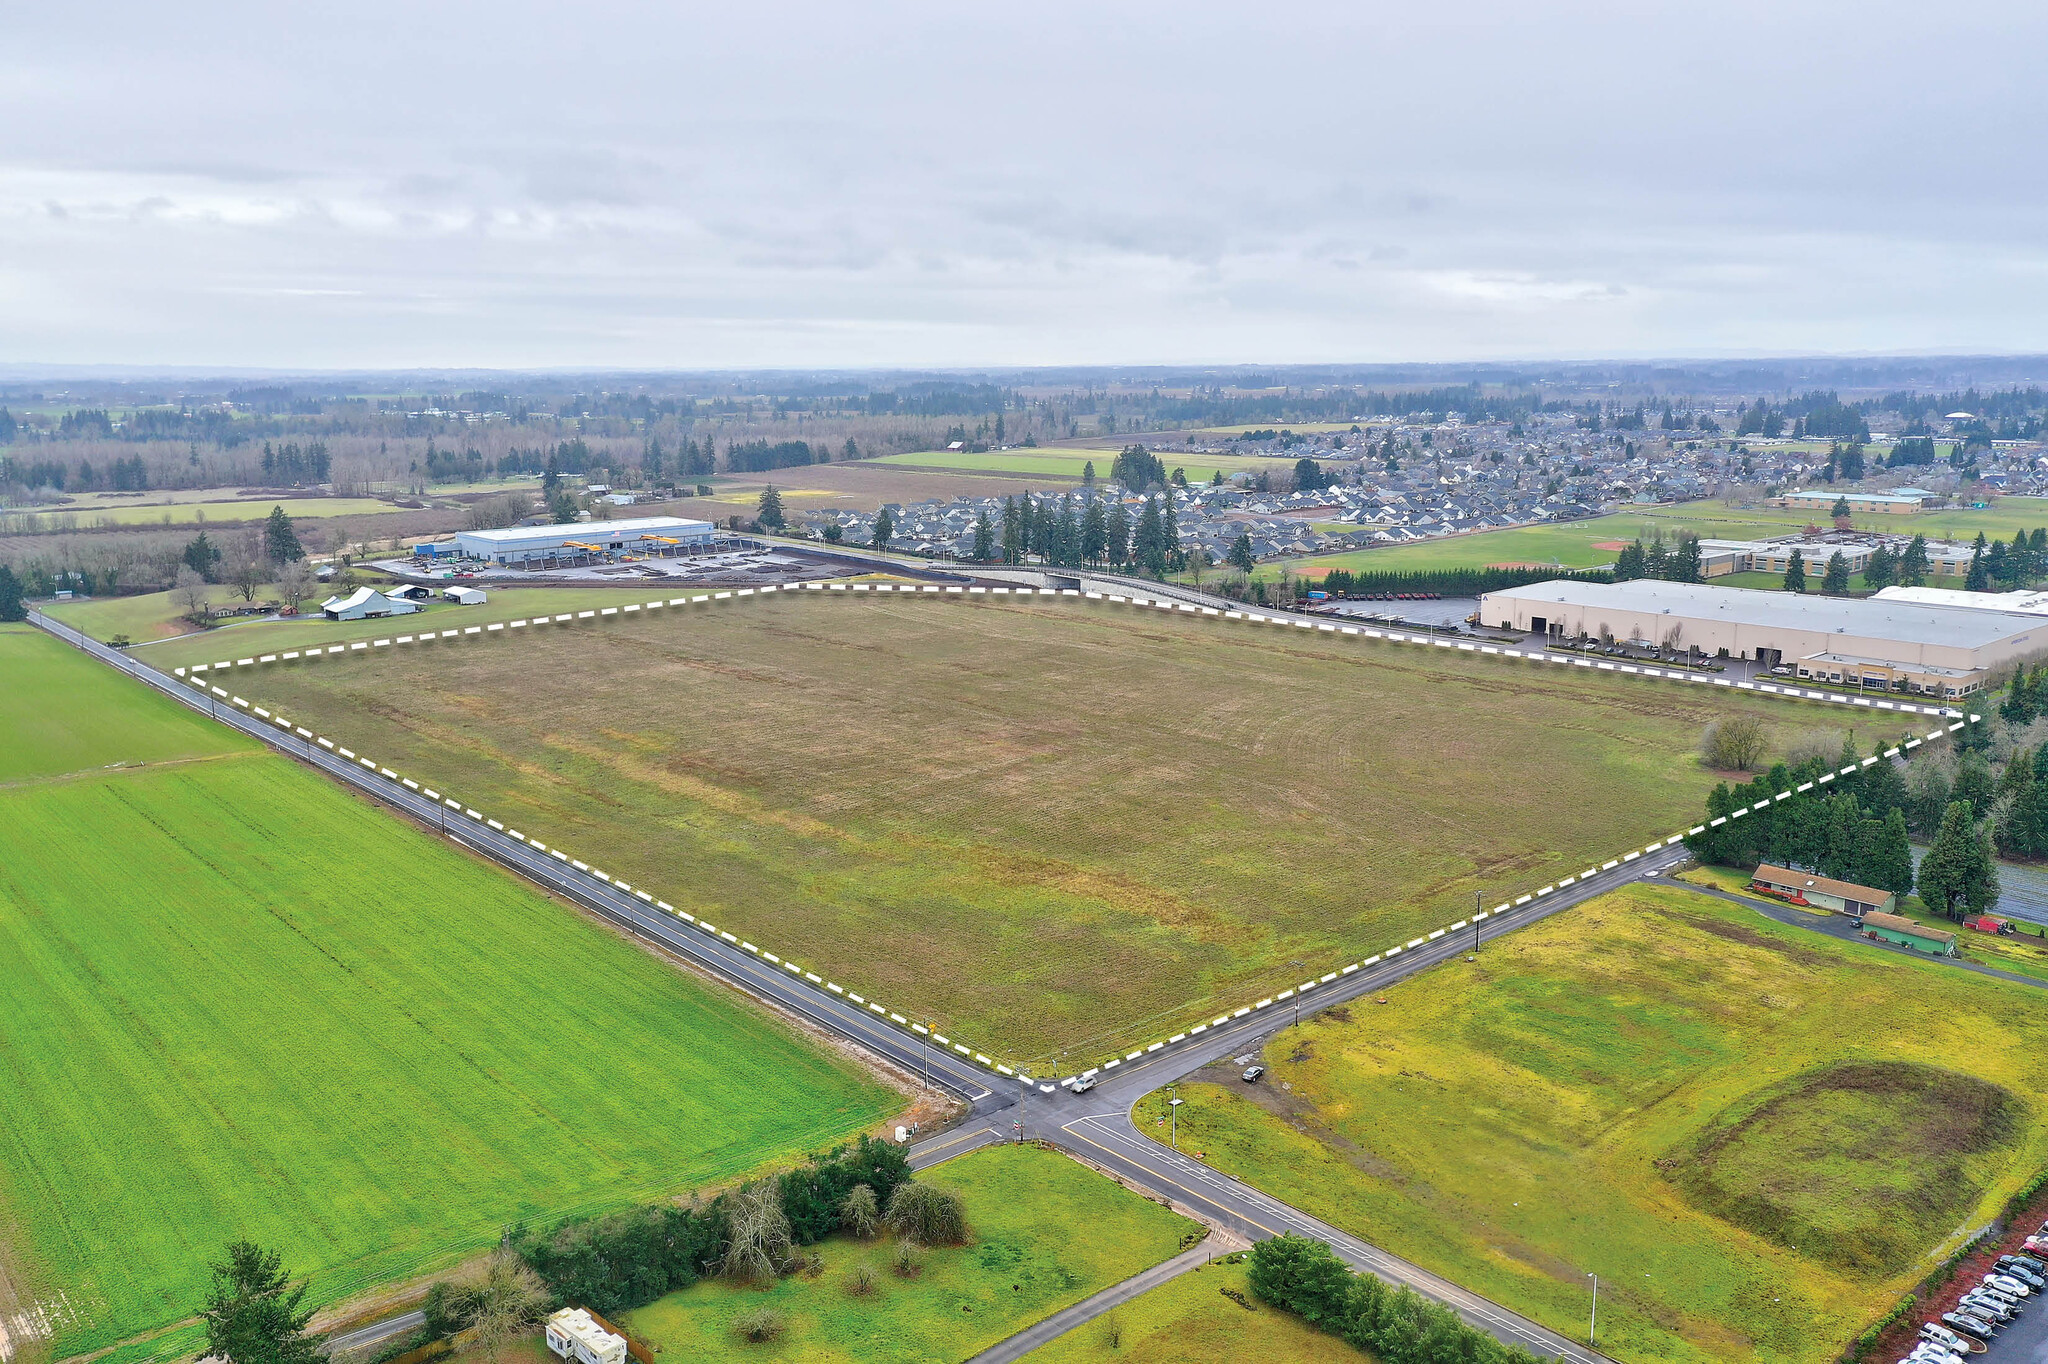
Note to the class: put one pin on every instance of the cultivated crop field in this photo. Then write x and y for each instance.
(1040, 826)
(242, 1003)
(60, 712)
(1755, 1135)
(1022, 1263)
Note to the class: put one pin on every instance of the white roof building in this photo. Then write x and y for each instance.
(573, 1334)
(634, 535)
(2023, 602)
(465, 596)
(365, 603)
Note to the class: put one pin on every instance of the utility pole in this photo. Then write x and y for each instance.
(1593, 1322)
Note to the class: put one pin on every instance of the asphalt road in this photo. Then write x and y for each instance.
(1096, 1125)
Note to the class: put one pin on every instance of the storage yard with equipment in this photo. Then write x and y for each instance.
(1042, 825)
(1757, 1136)
(266, 1008)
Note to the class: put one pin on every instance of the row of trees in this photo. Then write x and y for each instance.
(1305, 1277)
(1678, 564)
(628, 1259)
(1852, 828)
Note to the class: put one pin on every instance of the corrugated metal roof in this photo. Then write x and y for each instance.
(1911, 622)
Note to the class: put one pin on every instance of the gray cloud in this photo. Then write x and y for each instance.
(799, 183)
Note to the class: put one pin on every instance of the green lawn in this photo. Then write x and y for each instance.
(1087, 819)
(273, 636)
(1191, 1320)
(243, 1003)
(62, 712)
(1755, 1135)
(1046, 1233)
(1571, 544)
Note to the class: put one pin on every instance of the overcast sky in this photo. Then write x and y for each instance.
(696, 185)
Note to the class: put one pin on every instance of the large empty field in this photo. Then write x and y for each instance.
(1040, 826)
(239, 1002)
(1755, 1135)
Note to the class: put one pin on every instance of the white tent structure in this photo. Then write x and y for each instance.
(465, 596)
(365, 603)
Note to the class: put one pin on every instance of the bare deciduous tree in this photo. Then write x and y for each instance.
(296, 582)
(190, 593)
(508, 1299)
(757, 1242)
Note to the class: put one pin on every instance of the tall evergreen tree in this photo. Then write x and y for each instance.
(1979, 579)
(1094, 532)
(1913, 564)
(1148, 544)
(1241, 557)
(1684, 564)
(252, 1311)
(1013, 532)
(1119, 548)
(769, 510)
(984, 538)
(885, 527)
(11, 607)
(1795, 573)
(280, 541)
(1629, 564)
(1881, 568)
(1836, 579)
(1958, 873)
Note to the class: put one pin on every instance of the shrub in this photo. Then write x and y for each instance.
(628, 1259)
(757, 1244)
(927, 1215)
(1736, 744)
(759, 1325)
(906, 1262)
(859, 1213)
(862, 1281)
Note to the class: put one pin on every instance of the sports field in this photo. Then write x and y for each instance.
(1038, 826)
(1023, 1262)
(1573, 544)
(242, 1003)
(1755, 1135)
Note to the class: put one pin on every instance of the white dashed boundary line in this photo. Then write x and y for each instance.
(198, 676)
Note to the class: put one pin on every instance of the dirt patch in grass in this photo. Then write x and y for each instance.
(1749, 937)
(1864, 1162)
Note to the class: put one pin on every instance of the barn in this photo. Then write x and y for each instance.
(365, 603)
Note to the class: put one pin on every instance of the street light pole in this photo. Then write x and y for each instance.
(1593, 1322)
(1173, 1123)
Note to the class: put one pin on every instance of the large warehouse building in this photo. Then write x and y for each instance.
(1877, 645)
(517, 545)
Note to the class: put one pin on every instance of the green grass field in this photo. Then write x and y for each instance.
(1571, 544)
(244, 1003)
(1068, 465)
(62, 712)
(1190, 1320)
(1755, 1135)
(153, 619)
(183, 513)
(1038, 826)
(1023, 1262)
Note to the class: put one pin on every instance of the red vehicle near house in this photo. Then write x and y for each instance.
(1984, 923)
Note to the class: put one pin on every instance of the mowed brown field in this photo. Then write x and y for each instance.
(1037, 826)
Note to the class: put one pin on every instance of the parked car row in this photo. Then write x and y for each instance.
(1985, 1309)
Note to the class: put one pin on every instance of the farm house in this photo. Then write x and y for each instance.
(1823, 892)
(1893, 928)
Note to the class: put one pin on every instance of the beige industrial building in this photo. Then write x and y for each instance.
(1874, 645)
